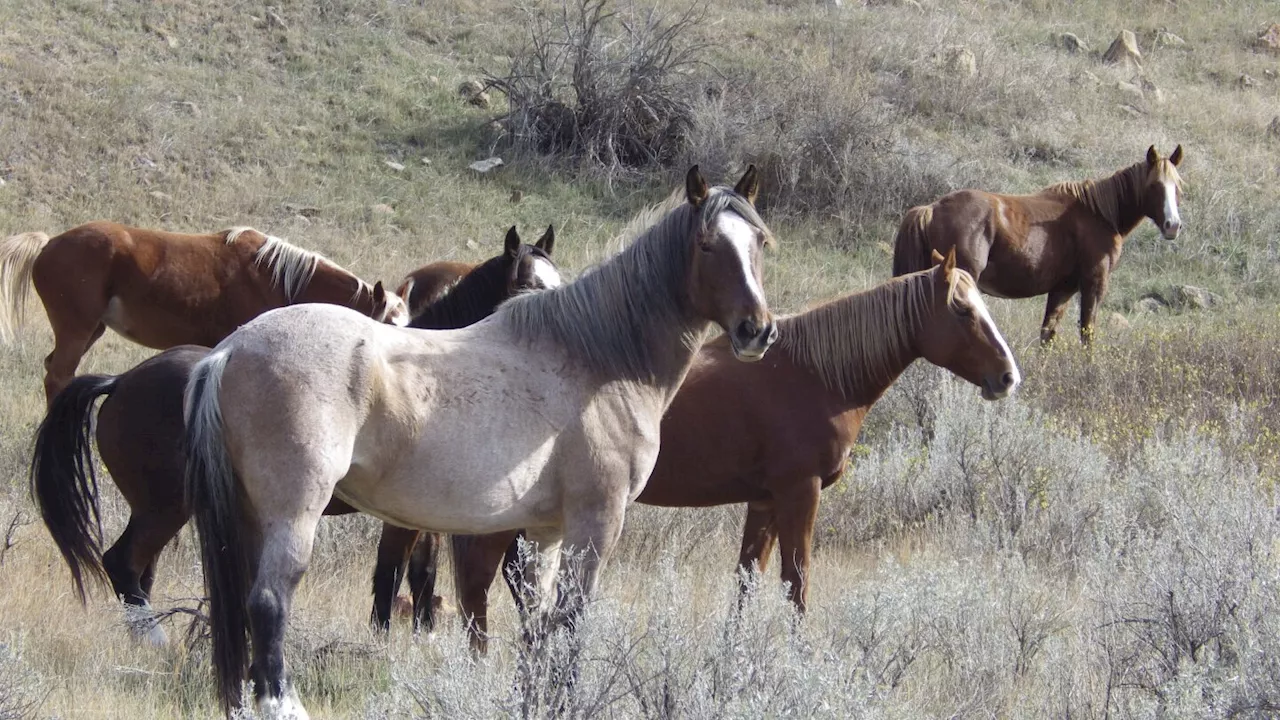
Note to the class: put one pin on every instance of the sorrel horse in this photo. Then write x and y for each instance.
(544, 416)
(775, 433)
(1062, 240)
(162, 289)
(139, 435)
(428, 283)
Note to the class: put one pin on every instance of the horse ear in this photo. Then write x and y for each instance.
(695, 187)
(548, 240)
(1152, 156)
(950, 263)
(937, 258)
(379, 293)
(1176, 156)
(749, 186)
(512, 245)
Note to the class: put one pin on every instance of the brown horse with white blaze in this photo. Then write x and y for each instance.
(775, 433)
(163, 289)
(1062, 240)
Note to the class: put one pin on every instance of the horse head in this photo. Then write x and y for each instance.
(959, 334)
(1163, 191)
(529, 267)
(725, 281)
(388, 307)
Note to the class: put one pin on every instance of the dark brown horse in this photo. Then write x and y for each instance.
(163, 289)
(428, 283)
(139, 433)
(1062, 240)
(774, 433)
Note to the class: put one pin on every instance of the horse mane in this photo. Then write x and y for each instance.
(607, 318)
(468, 299)
(291, 266)
(1107, 196)
(864, 338)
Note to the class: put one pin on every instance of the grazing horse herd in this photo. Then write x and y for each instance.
(289, 388)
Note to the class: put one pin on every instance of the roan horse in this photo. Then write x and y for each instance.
(163, 289)
(775, 433)
(544, 416)
(1061, 240)
(139, 434)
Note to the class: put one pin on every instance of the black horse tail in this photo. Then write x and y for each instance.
(911, 247)
(213, 493)
(63, 482)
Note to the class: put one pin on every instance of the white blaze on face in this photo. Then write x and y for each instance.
(742, 237)
(546, 273)
(984, 317)
(397, 310)
(1172, 221)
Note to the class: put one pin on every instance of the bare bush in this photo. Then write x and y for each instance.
(603, 87)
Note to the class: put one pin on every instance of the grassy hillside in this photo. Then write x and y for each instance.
(1103, 544)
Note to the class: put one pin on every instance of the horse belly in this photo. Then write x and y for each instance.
(462, 478)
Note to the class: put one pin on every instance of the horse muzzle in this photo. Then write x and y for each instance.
(998, 388)
(1170, 229)
(751, 340)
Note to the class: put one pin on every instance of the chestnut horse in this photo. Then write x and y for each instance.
(139, 434)
(162, 289)
(775, 433)
(1062, 240)
(425, 285)
(543, 416)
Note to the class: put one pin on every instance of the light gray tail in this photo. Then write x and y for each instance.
(213, 494)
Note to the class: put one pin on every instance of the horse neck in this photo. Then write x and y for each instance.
(468, 301)
(628, 320)
(858, 345)
(336, 286)
(1117, 198)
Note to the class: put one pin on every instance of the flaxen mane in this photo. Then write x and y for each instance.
(291, 267)
(606, 319)
(862, 339)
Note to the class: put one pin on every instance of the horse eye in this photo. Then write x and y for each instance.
(964, 311)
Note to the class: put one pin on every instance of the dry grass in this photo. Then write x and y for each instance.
(1103, 545)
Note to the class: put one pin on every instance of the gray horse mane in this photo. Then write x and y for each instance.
(612, 319)
(291, 266)
(862, 338)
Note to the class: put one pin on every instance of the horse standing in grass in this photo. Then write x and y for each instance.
(544, 416)
(139, 434)
(1062, 240)
(428, 283)
(775, 433)
(163, 289)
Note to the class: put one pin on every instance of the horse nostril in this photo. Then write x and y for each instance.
(1007, 379)
(747, 330)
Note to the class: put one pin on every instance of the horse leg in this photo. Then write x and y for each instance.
(393, 553)
(758, 537)
(130, 563)
(476, 559)
(285, 554)
(422, 580)
(1091, 292)
(1055, 307)
(795, 514)
(69, 345)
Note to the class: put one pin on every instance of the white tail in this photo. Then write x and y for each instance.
(17, 258)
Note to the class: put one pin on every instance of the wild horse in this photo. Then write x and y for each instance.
(428, 283)
(775, 433)
(1062, 240)
(139, 434)
(544, 416)
(162, 289)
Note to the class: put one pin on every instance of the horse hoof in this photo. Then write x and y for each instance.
(282, 708)
(144, 627)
